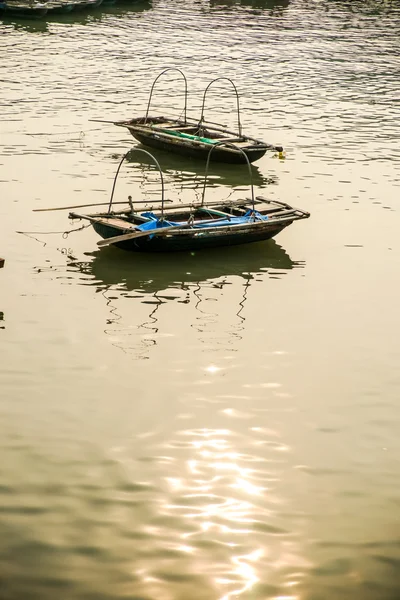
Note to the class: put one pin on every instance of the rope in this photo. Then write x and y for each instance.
(64, 234)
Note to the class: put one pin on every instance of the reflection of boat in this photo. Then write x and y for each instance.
(194, 138)
(192, 226)
(154, 273)
(136, 292)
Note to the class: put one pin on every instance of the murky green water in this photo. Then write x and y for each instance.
(219, 425)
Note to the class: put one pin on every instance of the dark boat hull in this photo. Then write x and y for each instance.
(23, 10)
(194, 240)
(196, 150)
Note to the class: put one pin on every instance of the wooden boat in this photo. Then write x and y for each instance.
(191, 226)
(30, 9)
(22, 9)
(195, 137)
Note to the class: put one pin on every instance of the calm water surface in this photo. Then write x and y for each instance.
(206, 426)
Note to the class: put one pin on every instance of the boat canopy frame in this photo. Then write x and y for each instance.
(162, 200)
(134, 149)
(152, 89)
(202, 120)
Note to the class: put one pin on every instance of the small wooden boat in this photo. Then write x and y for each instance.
(192, 226)
(32, 9)
(22, 9)
(195, 137)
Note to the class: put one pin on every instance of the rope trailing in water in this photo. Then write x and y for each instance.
(64, 234)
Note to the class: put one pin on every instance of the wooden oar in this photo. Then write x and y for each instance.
(137, 234)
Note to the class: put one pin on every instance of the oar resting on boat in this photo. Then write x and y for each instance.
(137, 234)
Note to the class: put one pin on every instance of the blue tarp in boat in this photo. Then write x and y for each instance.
(154, 222)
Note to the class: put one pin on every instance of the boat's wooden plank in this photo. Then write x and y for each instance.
(115, 222)
(168, 125)
(174, 127)
(230, 140)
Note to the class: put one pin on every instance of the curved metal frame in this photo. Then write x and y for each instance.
(154, 83)
(237, 100)
(118, 170)
(208, 162)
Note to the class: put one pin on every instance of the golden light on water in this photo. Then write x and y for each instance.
(230, 509)
(246, 572)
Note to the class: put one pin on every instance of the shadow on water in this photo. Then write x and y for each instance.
(191, 171)
(153, 282)
(157, 272)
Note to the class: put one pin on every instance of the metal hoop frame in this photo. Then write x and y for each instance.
(119, 168)
(237, 100)
(154, 83)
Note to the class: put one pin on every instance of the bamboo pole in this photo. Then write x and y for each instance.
(149, 202)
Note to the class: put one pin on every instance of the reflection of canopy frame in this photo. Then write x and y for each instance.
(208, 162)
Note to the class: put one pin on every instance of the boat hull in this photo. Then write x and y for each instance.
(22, 11)
(191, 240)
(197, 149)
